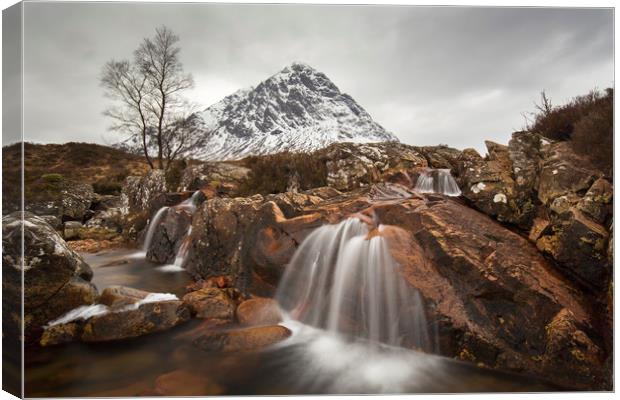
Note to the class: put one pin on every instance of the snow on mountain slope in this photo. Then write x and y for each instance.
(297, 109)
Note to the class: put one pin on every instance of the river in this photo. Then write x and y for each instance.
(310, 362)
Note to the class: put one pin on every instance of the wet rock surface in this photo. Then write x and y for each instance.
(247, 339)
(259, 311)
(121, 313)
(211, 303)
(56, 279)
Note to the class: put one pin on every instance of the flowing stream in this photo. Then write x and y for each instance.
(345, 281)
(311, 361)
(437, 181)
(349, 310)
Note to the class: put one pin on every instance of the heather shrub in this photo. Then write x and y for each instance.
(586, 122)
(273, 173)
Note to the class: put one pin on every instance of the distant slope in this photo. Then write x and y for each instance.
(103, 167)
(297, 109)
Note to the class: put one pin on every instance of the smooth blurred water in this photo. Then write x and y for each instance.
(311, 361)
(437, 181)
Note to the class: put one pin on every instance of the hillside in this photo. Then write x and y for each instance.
(102, 166)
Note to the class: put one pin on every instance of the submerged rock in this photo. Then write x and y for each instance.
(247, 339)
(259, 311)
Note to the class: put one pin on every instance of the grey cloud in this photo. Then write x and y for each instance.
(430, 75)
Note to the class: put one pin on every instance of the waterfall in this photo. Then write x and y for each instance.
(437, 181)
(153, 226)
(188, 205)
(343, 278)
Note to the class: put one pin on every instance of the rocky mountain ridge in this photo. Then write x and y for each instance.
(297, 109)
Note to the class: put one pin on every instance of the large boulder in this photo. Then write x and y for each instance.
(169, 235)
(138, 191)
(491, 292)
(354, 165)
(218, 231)
(55, 278)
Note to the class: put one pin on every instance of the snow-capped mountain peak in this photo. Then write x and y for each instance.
(297, 109)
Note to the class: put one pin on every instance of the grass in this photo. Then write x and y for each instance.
(49, 166)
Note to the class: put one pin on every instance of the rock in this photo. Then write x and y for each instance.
(138, 192)
(580, 245)
(59, 334)
(117, 297)
(224, 177)
(211, 303)
(324, 192)
(488, 183)
(597, 202)
(69, 201)
(54, 221)
(490, 291)
(570, 351)
(259, 311)
(110, 219)
(247, 339)
(354, 165)
(175, 198)
(72, 229)
(147, 318)
(292, 204)
(218, 229)
(169, 235)
(504, 184)
(563, 172)
(440, 157)
(540, 227)
(186, 383)
(55, 277)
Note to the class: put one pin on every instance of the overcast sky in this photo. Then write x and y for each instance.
(430, 75)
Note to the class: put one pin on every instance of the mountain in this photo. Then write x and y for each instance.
(297, 109)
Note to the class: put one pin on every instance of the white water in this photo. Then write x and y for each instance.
(189, 205)
(437, 181)
(152, 227)
(344, 282)
(93, 310)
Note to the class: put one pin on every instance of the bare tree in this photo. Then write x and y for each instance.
(149, 91)
(129, 87)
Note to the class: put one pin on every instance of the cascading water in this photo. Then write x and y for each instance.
(189, 205)
(437, 181)
(343, 279)
(152, 227)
